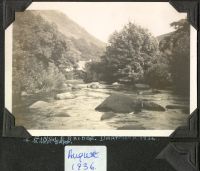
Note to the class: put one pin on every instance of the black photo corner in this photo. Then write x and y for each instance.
(20, 151)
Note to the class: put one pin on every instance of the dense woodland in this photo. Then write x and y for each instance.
(41, 54)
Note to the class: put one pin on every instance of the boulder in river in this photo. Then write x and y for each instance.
(115, 83)
(63, 96)
(147, 105)
(118, 103)
(95, 85)
(76, 87)
(39, 104)
(142, 86)
(121, 103)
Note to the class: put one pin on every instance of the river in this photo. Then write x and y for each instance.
(79, 112)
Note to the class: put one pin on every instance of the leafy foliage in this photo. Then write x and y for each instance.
(133, 55)
(40, 54)
(158, 76)
(94, 71)
(176, 47)
(129, 54)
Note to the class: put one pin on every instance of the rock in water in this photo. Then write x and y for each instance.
(142, 86)
(118, 103)
(66, 87)
(95, 85)
(152, 106)
(63, 96)
(107, 115)
(121, 103)
(115, 83)
(39, 104)
(76, 87)
(148, 92)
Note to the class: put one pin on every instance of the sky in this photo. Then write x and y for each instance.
(101, 19)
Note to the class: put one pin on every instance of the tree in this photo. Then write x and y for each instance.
(129, 54)
(177, 46)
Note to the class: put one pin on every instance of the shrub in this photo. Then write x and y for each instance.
(158, 76)
(93, 72)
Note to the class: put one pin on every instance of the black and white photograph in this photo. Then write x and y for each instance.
(101, 66)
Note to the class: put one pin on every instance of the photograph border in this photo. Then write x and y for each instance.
(183, 142)
(155, 133)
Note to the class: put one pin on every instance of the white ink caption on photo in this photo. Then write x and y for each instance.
(85, 158)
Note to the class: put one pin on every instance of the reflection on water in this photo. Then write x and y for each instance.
(79, 112)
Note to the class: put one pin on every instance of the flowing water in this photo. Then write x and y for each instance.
(79, 112)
